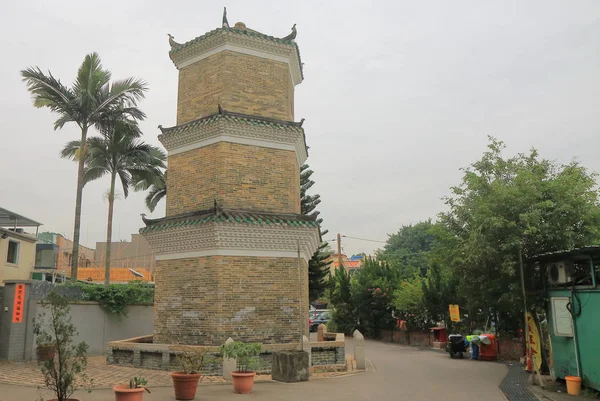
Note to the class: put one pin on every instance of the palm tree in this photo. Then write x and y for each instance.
(118, 153)
(158, 189)
(86, 103)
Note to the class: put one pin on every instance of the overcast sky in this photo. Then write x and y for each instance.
(398, 95)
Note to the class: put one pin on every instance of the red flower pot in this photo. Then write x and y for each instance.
(243, 382)
(124, 393)
(185, 385)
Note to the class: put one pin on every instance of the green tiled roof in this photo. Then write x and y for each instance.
(247, 119)
(234, 30)
(229, 216)
(177, 49)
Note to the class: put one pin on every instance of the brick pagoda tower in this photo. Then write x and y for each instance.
(233, 249)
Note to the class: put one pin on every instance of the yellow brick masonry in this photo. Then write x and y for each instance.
(239, 83)
(205, 300)
(238, 176)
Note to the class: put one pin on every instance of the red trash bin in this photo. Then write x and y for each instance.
(488, 352)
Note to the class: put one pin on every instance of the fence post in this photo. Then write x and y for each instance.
(359, 350)
(228, 363)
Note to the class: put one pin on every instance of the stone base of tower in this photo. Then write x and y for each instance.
(205, 300)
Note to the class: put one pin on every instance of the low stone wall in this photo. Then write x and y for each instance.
(141, 352)
(404, 337)
(329, 352)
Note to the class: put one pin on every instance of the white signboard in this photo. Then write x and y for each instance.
(563, 321)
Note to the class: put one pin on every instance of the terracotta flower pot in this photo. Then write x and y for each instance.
(45, 352)
(243, 382)
(124, 393)
(185, 385)
(573, 385)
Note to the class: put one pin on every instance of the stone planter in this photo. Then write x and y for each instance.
(290, 366)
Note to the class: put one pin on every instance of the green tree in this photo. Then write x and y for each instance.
(88, 102)
(409, 248)
(373, 286)
(504, 204)
(318, 265)
(343, 317)
(118, 153)
(410, 303)
(157, 189)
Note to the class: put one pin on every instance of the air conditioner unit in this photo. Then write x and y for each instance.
(559, 272)
(19, 230)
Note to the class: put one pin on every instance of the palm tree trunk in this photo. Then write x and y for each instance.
(77, 228)
(111, 202)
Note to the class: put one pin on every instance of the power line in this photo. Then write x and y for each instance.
(364, 239)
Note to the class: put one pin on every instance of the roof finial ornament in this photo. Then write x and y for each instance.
(292, 35)
(225, 22)
(302, 121)
(172, 42)
(144, 219)
(220, 109)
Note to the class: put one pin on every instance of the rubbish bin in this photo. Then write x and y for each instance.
(456, 345)
(488, 348)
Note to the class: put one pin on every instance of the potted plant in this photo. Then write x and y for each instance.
(134, 391)
(63, 373)
(185, 381)
(246, 358)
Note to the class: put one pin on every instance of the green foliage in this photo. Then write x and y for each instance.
(118, 153)
(92, 100)
(245, 354)
(139, 382)
(65, 372)
(372, 292)
(343, 317)
(410, 304)
(503, 204)
(192, 359)
(115, 298)
(408, 249)
(156, 186)
(318, 265)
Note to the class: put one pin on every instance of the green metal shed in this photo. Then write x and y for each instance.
(571, 285)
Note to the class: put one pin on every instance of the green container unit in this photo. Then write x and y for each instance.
(577, 342)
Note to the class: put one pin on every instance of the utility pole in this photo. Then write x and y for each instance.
(524, 301)
(339, 246)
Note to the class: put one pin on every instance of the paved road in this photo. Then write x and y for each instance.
(394, 373)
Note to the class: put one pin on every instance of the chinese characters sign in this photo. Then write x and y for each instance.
(454, 313)
(19, 304)
(534, 348)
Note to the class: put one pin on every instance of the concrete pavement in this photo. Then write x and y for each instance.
(394, 373)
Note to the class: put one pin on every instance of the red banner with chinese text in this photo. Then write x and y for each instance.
(19, 304)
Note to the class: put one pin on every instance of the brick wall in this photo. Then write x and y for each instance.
(418, 338)
(239, 176)
(205, 300)
(240, 83)
(510, 349)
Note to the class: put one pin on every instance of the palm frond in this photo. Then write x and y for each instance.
(154, 196)
(91, 77)
(94, 173)
(48, 91)
(71, 150)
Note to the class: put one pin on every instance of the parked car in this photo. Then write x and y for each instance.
(322, 318)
